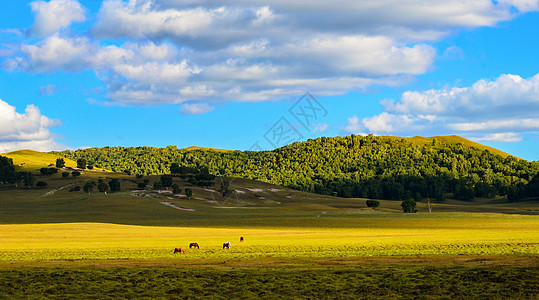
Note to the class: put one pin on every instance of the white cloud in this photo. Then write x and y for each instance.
(172, 51)
(523, 5)
(507, 137)
(322, 127)
(52, 16)
(29, 130)
(56, 53)
(196, 108)
(387, 123)
(47, 90)
(497, 110)
(353, 125)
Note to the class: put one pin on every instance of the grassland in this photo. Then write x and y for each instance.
(60, 244)
(32, 160)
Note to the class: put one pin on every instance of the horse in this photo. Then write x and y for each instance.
(226, 245)
(241, 239)
(181, 250)
(194, 245)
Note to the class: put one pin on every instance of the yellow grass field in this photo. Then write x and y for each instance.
(489, 234)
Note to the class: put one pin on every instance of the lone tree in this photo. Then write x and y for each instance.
(65, 174)
(408, 206)
(81, 163)
(60, 163)
(75, 173)
(114, 185)
(373, 203)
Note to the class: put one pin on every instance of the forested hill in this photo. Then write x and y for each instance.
(352, 166)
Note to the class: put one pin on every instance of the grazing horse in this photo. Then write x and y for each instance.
(226, 245)
(241, 239)
(194, 245)
(181, 250)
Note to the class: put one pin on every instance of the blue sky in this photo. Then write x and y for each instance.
(245, 75)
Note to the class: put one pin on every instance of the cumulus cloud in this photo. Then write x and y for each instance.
(54, 53)
(52, 16)
(149, 52)
(29, 130)
(497, 110)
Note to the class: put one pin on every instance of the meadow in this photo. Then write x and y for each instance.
(57, 244)
(483, 256)
(455, 234)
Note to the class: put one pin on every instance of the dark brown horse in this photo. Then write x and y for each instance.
(181, 250)
(226, 245)
(194, 245)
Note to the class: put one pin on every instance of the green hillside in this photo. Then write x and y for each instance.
(352, 166)
(455, 139)
(29, 160)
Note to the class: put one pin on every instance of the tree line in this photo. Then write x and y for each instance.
(353, 166)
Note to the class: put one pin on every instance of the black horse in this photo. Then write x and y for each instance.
(194, 245)
(226, 245)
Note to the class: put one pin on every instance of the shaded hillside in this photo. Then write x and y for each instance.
(353, 166)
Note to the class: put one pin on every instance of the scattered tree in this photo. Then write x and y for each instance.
(75, 173)
(60, 163)
(188, 192)
(166, 181)
(176, 189)
(65, 174)
(102, 187)
(7, 170)
(88, 187)
(114, 185)
(408, 206)
(81, 163)
(373, 203)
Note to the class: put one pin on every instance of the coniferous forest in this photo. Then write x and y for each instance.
(353, 166)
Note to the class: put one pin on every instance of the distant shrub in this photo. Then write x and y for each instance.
(48, 171)
(41, 184)
(75, 189)
(373, 203)
(65, 174)
(75, 173)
